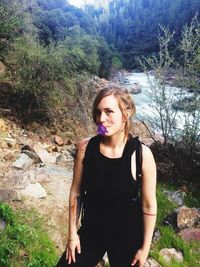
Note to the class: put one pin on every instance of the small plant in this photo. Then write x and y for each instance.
(6, 213)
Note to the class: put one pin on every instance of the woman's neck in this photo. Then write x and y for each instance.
(115, 140)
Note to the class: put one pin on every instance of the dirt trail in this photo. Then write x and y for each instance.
(54, 208)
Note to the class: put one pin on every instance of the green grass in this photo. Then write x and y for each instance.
(24, 242)
(165, 207)
(192, 198)
(169, 239)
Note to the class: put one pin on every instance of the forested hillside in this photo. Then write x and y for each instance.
(133, 25)
(52, 22)
(49, 50)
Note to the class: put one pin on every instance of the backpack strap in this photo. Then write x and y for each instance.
(138, 155)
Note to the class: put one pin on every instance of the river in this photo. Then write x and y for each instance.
(146, 106)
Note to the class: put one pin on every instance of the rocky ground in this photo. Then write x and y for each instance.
(37, 175)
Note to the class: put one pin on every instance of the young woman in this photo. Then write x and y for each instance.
(119, 212)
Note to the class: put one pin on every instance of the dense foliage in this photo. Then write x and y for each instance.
(9, 25)
(133, 25)
(45, 45)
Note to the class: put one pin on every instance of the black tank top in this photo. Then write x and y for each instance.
(108, 185)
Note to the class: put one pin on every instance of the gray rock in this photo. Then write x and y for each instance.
(190, 234)
(156, 235)
(170, 254)
(9, 195)
(176, 197)
(19, 179)
(44, 156)
(187, 217)
(151, 263)
(53, 171)
(72, 150)
(171, 219)
(2, 224)
(34, 190)
(23, 162)
(135, 88)
(62, 160)
(28, 150)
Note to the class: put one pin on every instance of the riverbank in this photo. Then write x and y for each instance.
(36, 164)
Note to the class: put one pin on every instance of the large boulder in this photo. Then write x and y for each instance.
(23, 162)
(8, 195)
(63, 160)
(187, 217)
(19, 179)
(151, 263)
(176, 197)
(33, 190)
(190, 234)
(169, 254)
(44, 156)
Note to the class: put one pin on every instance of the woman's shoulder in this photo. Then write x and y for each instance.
(82, 144)
(147, 156)
(146, 150)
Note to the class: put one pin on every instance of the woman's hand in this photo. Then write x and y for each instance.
(73, 245)
(140, 258)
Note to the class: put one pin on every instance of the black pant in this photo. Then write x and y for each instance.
(120, 253)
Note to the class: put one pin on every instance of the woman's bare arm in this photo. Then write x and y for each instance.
(74, 198)
(149, 204)
(148, 192)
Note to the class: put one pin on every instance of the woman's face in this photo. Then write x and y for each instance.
(110, 115)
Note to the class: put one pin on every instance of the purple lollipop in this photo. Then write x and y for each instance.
(101, 129)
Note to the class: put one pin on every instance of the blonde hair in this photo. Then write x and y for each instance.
(124, 99)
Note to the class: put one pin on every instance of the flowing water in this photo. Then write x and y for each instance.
(146, 107)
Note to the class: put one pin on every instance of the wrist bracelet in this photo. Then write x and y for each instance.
(150, 214)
